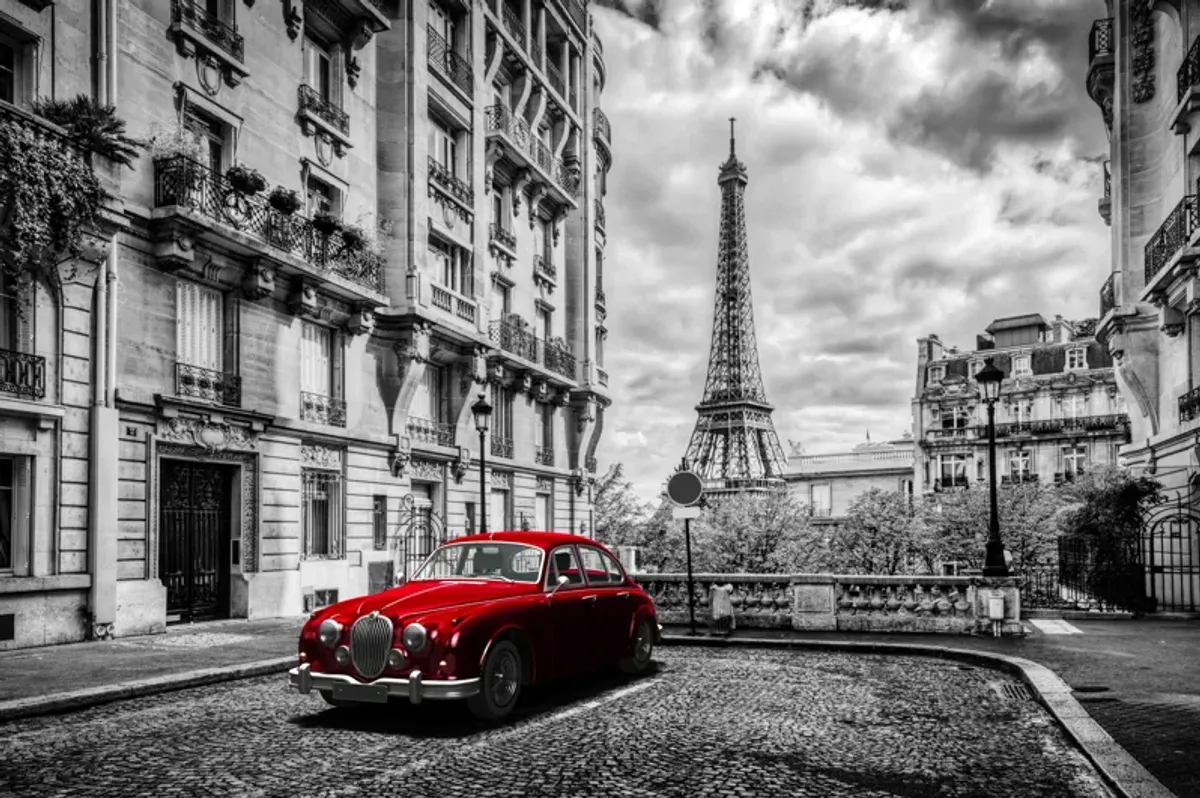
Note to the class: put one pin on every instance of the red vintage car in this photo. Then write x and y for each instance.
(484, 616)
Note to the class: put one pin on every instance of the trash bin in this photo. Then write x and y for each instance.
(721, 602)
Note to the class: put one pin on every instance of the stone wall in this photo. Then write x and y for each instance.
(843, 603)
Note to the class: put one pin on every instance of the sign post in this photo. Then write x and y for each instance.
(685, 489)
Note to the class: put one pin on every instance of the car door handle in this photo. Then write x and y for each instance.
(590, 598)
(623, 594)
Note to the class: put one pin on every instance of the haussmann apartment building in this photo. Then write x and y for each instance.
(355, 218)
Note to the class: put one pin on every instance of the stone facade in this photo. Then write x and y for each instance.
(1059, 409)
(830, 483)
(289, 402)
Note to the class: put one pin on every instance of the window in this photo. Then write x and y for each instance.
(321, 507)
(545, 322)
(906, 487)
(599, 268)
(502, 413)
(8, 70)
(1022, 412)
(821, 499)
(600, 346)
(1019, 464)
(1076, 359)
(316, 360)
(443, 147)
(498, 513)
(501, 300)
(615, 574)
(17, 60)
(452, 267)
(320, 197)
(441, 23)
(1074, 459)
(498, 215)
(539, 236)
(953, 468)
(937, 373)
(15, 513)
(10, 317)
(593, 565)
(541, 512)
(212, 137)
(470, 513)
(199, 326)
(563, 563)
(1074, 406)
(318, 72)
(957, 417)
(974, 367)
(379, 522)
(1020, 367)
(544, 434)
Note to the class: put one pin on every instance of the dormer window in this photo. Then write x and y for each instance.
(937, 373)
(973, 367)
(1020, 366)
(1076, 359)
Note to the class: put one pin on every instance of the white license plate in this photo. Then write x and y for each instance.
(368, 693)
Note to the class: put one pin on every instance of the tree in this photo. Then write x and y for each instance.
(619, 513)
(755, 533)
(879, 535)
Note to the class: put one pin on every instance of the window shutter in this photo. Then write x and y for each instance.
(336, 368)
(26, 300)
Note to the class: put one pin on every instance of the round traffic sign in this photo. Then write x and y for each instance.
(684, 488)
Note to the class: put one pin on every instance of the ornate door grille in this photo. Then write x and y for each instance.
(421, 531)
(193, 559)
(1171, 550)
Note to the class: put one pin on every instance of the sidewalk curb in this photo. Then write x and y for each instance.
(1122, 772)
(94, 696)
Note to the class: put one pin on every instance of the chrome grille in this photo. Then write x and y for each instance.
(370, 640)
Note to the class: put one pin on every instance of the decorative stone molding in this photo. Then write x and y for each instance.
(535, 202)
(491, 155)
(303, 299)
(461, 464)
(578, 481)
(259, 280)
(472, 370)
(175, 251)
(562, 398)
(353, 69)
(557, 223)
(1141, 396)
(501, 479)
(400, 456)
(544, 485)
(426, 470)
(540, 391)
(585, 414)
(293, 17)
(1142, 38)
(413, 347)
(211, 437)
(1193, 307)
(518, 191)
(362, 320)
(315, 455)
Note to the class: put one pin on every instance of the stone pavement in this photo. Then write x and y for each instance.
(707, 722)
(1136, 678)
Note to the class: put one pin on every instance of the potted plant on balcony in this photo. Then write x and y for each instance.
(354, 238)
(326, 223)
(245, 180)
(92, 127)
(285, 200)
(178, 154)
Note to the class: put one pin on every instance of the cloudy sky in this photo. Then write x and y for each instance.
(915, 167)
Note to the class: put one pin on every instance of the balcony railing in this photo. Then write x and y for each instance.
(556, 79)
(1054, 426)
(22, 374)
(1100, 42)
(600, 219)
(1108, 297)
(222, 34)
(442, 176)
(1188, 75)
(601, 124)
(543, 266)
(578, 13)
(505, 238)
(438, 433)
(312, 101)
(1171, 237)
(512, 21)
(321, 409)
(602, 376)
(207, 385)
(500, 119)
(456, 68)
(946, 483)
(536, 51)
(180, 181)
(502, 446)
(544, 455)
(600, 297)
(1026, 476)
(513, 335)
(1189, 405)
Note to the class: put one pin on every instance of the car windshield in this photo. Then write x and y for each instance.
(509, 562)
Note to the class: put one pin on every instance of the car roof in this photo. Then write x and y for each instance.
(543, 540)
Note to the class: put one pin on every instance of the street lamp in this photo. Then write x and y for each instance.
(482, 411)
(989, 378)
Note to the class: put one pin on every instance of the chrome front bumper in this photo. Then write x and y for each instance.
(414, 688)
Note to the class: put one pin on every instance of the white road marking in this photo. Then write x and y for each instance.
(1055, 627)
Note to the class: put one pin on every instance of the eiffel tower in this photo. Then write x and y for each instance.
(734, 447)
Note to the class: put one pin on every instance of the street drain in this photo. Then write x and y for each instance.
(1090, 689)
(1011, 691)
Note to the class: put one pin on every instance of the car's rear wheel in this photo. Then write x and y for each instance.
(638, 660)
(500, 683)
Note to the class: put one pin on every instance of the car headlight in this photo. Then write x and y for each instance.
(413, 637)
(329, 632)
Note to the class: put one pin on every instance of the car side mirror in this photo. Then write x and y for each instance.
(562, 580)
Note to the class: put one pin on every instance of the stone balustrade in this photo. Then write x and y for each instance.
(843, 603)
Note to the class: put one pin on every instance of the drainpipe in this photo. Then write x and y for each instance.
(110, 369)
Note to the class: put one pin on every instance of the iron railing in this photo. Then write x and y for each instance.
(323, 515)
(439, 433)
(512, 21)
(543, 266)
(500, 119)
(1188, 75)
(502, 236)
(959, 481)
(1101, 39)
(578, 14)
(1172, 236)
(442, 56)
(1023, 476)
(223, 34)
(180, 181)
(312, 101)
(558, 359)
(1054, 426)
(513, 335)
(1189, 405)
(321, 409)
(444, 178)
(502, 446)
(218, 387)
(22, 374)
(601, 124)
(1108, 296)
(544, 455)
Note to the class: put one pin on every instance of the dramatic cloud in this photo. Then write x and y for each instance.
(915, 167)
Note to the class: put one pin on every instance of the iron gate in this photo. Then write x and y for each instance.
(1171, 550)
(421, 531)
(194, 547)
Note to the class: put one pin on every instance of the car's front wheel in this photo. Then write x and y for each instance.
(500, 683)
(638, 660)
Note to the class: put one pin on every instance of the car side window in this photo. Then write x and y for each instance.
(593, 565)
(615, 574)
(563, 563)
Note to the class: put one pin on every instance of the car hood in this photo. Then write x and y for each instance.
(426, 596)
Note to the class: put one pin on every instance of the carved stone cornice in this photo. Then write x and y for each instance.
(206, 435)
(518, 191)
(472, 370)
(258, 281)
(413, 346)
(362, 320)
(316, 455)
(535, 201)
(426, 470)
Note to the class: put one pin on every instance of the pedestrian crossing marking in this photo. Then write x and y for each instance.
(1054, 627)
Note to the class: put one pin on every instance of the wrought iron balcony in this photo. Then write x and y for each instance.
(321, 409)
(206, 385)
(513, 335)
(1188, 75)
(1100, 42)
(544, 455)
(521, 139)
(1189, 405)
(182, 182)
(442, 177)
(501, 236)
(1108, 299)
(577, 14)
(456, 68)
(22, 374)
(438, 433)
(600, 218)
(544, 267)
(601, 125)
(222, 34)
(559, 359)
(502, 446)
(1053, 426)
(512, 21)
(959, 481)
(312, 101)
(1171, 237)
(1018, 478)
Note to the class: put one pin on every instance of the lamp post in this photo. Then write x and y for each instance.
(989, 378)
(482, 411)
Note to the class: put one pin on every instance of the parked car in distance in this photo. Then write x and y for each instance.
(483, 617)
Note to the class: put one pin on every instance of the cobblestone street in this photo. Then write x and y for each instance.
(708, 722)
